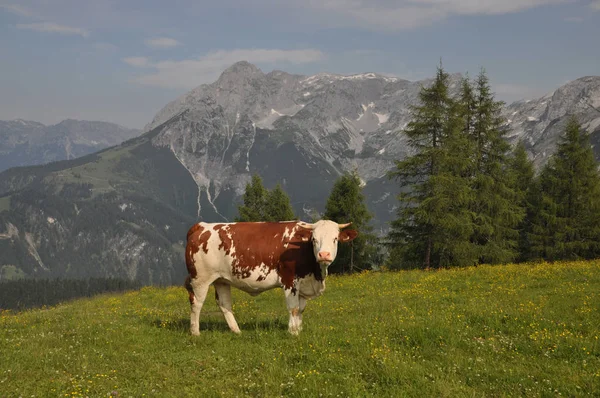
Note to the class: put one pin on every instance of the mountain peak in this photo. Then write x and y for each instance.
(241, 68)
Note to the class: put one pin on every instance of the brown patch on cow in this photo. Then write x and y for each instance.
(193, 229)
(218, 226)
(295, 311)
(197, 237)
(302, 234)
(203, 240)
(226, 241)
(291, 258)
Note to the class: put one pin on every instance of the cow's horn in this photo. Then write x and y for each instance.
(344, 225)
(306, 225)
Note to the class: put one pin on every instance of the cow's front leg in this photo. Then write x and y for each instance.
(292, 300)
(302, 301)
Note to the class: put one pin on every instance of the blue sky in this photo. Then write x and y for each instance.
(121, 61)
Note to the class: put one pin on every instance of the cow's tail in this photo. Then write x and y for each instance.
(190, 289)
(188, 283)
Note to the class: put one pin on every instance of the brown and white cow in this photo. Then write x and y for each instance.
(258, 256)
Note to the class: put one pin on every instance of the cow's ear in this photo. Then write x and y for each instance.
(348, 235)
(303, 235)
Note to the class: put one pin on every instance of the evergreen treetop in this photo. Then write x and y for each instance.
(260, 204)
(346, 203)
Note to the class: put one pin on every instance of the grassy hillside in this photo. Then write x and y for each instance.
(516, 330)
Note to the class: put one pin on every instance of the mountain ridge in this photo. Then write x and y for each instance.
(24, 142)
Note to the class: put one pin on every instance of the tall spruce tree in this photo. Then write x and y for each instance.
(467, 106)
(254, 205)
(496, 209)
(260, 204)
(566, 217)
(346, 203)
(434, 223)
(522, 177)
(277, 206)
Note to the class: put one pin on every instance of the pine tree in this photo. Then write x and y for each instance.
(467, 106)
(254, 205)
(260, 204)
(522, 177)
(433, 227)
(496, 210)
(346, 203)
(566, 221)
(541, 220)
(277, 206)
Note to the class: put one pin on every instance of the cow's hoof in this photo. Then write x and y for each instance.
(294, 332)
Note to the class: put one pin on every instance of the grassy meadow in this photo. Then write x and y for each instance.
(514, 330)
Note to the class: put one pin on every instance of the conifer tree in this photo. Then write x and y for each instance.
(522, 177)
(260, 204)
(566, 220)
(541, 220)
(434, 226)
(254, 205)
(467, 106)
(496, 210)
(346, 203)
(278, 207)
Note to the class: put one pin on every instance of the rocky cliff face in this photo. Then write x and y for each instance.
(24, 143)
(540, 122)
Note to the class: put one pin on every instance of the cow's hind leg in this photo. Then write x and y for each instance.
(223, 297)
(197, 291)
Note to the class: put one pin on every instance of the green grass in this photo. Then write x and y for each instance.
(516, 330)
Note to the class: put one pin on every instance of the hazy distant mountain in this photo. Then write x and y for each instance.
(25, 143)
(124, 211)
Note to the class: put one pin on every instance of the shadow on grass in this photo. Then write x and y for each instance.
(183, 325)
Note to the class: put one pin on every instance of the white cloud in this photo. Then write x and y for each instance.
(193, 72)
(139, 62)
(162, 42)
(50, 27)
(17, 9)
(390, 15)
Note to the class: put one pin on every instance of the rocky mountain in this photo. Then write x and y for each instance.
(25, 142)
(124, 211)
(540, 122)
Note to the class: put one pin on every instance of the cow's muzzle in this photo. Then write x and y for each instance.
(324, 258)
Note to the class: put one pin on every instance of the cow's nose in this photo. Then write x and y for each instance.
(324, 256)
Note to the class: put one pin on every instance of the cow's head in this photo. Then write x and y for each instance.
(325, 236)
